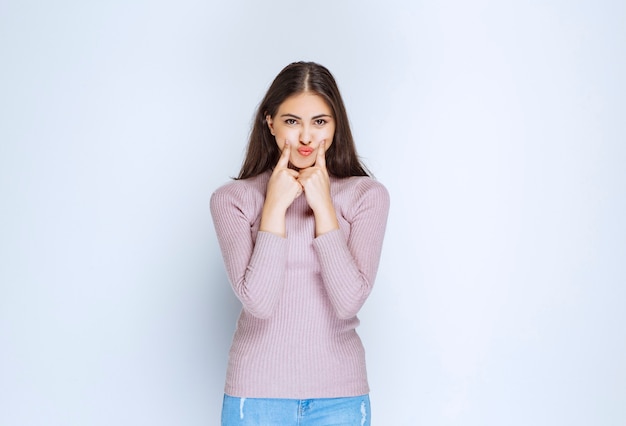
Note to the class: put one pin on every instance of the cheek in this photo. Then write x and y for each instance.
(328, 136)
(282, 134)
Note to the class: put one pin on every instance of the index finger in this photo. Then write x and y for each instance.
(283, 161)
(321, 155)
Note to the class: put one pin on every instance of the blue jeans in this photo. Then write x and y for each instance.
(350, 411)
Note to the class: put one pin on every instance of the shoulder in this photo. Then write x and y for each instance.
(242, 194)
(358, 191)
(360, 186)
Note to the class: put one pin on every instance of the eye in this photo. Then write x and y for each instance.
(290, 121)
(320, 122)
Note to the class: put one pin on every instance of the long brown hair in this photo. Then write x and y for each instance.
(263, 153)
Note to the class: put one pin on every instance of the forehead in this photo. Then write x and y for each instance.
(306, 102)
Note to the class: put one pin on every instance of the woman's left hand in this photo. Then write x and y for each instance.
(316, 185)
(315, 181)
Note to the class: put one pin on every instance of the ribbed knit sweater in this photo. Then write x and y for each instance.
(296, 334)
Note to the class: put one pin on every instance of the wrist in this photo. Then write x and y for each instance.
(273, 220)
(325, 221)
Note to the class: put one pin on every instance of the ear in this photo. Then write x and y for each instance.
(270, 123)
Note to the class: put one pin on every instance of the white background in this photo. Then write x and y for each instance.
(498, 128)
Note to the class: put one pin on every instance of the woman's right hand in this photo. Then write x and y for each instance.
(282, 189)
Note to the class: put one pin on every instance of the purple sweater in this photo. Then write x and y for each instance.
(296, 336)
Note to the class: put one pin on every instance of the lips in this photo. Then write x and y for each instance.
(305, 151)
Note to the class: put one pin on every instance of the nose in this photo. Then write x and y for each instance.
(305, 136)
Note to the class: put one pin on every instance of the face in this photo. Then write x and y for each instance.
(304, 120)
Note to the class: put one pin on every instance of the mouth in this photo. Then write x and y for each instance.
(305, 151)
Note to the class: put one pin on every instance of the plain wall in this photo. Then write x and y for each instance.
(498, 128)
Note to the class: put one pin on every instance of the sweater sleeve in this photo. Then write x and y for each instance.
(349, 265)
(255, 268)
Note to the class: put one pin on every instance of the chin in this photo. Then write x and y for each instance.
(301, 164)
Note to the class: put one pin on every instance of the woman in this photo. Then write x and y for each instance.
(301, 231)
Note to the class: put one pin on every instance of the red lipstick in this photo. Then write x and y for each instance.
(305, 151)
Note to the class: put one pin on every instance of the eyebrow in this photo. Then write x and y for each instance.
(312, 118)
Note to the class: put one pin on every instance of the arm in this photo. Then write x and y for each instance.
(255, 269)
(349, 265)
